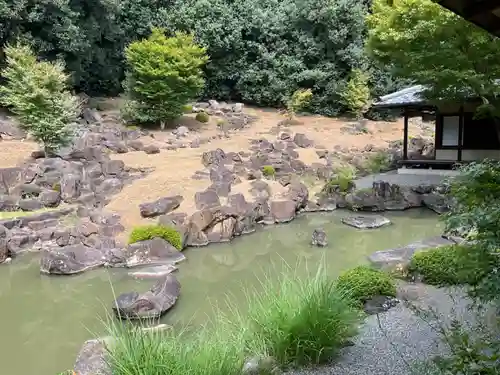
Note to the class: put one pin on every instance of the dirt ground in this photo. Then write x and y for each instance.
(172, 169)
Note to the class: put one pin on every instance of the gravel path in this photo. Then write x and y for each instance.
(380, 352)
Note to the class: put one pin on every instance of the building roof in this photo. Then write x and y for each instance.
(408, 96)
(483, 13)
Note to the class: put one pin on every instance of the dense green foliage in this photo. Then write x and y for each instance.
(475, 214)
(377, 162)
(212, 351)
(89, 35)
(202, 117)
(295, 322)
(163, 75)
(432, 46)
(37, 93)
(300, 322)
(356, 95)
(362, 283)
(450, 265)
(262, 51)
(148, 232)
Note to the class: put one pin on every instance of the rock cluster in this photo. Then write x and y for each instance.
(232, 114)
(384, 196)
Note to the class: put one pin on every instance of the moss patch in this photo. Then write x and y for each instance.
(148, 232)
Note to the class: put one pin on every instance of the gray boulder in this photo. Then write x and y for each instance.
(366, 222)
(161, 206)
(151, 304)
(149, 252)
(70, 260)
(318, 238)
(91, 359)
(206, 199)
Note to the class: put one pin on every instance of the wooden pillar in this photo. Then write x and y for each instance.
(460, 133)
(405, 136)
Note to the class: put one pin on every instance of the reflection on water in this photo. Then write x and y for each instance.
(46, 319)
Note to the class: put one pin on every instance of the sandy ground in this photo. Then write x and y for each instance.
(172, 169)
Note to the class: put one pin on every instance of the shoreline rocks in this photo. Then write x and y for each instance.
(366, 222)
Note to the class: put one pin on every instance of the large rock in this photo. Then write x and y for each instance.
(161, 206)
(71, 259)
(366, 222)
(399, 258)
(283, 211)
(438, 203)
(301, 140)
(150, 252)
(150, 305)
(206, 199)
(92, 359)
(214, 157)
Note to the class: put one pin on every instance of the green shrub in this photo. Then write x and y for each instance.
(378, 162)
(356, 96)
(148, 232)
(343, 178)
(202, 117)
(298, 101)
(216, 351)
(37, 93)
(301, 321)
(451, 265)
(188, 108)
(363, 283)
(163, 75)
(268, 170)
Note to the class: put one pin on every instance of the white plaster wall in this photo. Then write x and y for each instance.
(468, 155)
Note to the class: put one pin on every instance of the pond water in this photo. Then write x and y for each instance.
(44, 320)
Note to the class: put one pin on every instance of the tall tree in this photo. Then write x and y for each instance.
(432, 46)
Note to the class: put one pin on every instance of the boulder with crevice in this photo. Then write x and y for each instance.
(161, 206)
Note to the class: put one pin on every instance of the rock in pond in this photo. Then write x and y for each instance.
(366, 222)
(152, 304)
(70, 260)
(399, 258)
(156, 251)
(154, 272)
(319, 238)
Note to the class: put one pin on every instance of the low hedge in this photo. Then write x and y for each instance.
(149, 232)
(451, 265)
(362, 283)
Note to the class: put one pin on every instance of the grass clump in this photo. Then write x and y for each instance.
(342, 179)
(362, 283)
(268, 171)
(149, 232)
(212, 351)
(300, 322)
(378, 162)
(202, 117)
(451, 265)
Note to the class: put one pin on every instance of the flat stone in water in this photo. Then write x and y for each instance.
(153, 272)
(366, 222)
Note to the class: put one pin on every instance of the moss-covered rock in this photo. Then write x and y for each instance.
(148, 232)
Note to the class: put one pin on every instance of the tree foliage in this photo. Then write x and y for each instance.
(261, 51)
(432, 46)
(37, 93)
(90, 35)
(164, 74)
(356, 95)
(476, 214)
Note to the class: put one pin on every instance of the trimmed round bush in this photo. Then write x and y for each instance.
(268, 170)
(148, 232)
(188, 108)
(202, 117)
(362, 283)
(451, 265)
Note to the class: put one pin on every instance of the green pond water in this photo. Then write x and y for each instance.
(44, 320)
